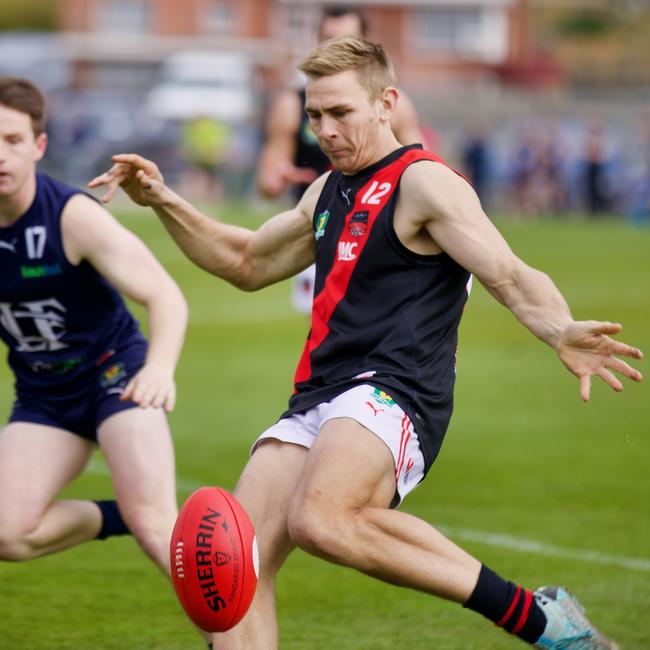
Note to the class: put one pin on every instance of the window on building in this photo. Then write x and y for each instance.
(123, 16)
(464, 32)
(217, 17)
(298, 27)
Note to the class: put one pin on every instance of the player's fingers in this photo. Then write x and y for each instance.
(110, 192)
(148, 396)
(139, 392)
(624, 369)
(128, 391)
(159, 397)
(585, 387)
(145, 181)
(604, 327)
(610, 378)
(136, 161)
(625, 350)
(170, 400)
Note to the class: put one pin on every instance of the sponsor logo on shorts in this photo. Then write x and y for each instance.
(382, 397)
(321, 223)
(374, 410)
(112, 375)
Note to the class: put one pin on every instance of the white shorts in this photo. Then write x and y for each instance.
(376, 411)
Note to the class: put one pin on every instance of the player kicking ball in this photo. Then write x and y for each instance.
(85, 375)
(395, 235)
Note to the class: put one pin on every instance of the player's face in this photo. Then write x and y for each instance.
(19, 150)
(349, 125)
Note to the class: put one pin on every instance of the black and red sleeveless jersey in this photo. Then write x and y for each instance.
(382, 314)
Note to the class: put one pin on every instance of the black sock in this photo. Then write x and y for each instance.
(508, 605)
(112, 522)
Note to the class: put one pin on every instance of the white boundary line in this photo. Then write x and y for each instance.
(521, 544)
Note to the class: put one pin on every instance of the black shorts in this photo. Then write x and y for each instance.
(82, 405)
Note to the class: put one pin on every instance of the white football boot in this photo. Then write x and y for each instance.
(567, 627)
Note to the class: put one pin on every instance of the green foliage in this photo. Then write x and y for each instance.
(589, 24)
(27, 15)
(523, 457)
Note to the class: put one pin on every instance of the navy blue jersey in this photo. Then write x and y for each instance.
(57, 319)
(382, 314)
(308, 151)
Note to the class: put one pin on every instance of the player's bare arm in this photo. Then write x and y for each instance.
(437, 201)
(248, 259)
(276, 168)
(90, 233)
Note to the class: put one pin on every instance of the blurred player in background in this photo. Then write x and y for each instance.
(291, 157)
(374, 387)
(85, 375)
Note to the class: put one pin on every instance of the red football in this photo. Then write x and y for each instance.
(214, 559)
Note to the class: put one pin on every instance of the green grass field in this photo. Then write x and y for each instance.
(541, 487)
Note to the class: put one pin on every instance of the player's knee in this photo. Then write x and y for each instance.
(153, 535)
(317, 532)
(14, 545)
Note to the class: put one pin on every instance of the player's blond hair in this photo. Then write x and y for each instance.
(369, 60)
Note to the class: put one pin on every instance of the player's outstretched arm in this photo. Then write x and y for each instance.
(450, 211)
(248, 259)
(90, 233)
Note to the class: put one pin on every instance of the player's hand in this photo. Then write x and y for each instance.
(299, 175)
(151, 387)
(586, 349)
(138, 177)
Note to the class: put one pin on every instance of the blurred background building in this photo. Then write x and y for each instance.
(544, 103)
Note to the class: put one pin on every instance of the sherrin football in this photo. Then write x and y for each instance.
(214, 559)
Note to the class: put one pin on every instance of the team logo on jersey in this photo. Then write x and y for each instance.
(346, 251)
(37, 325)
(382, 397)
(42, 271)
(112, 375)
(358, 224)
(321, 223)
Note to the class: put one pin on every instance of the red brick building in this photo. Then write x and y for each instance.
(462, 42)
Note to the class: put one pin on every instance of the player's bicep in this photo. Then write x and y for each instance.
(92, 234)
(284, 245)
(457, 223)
